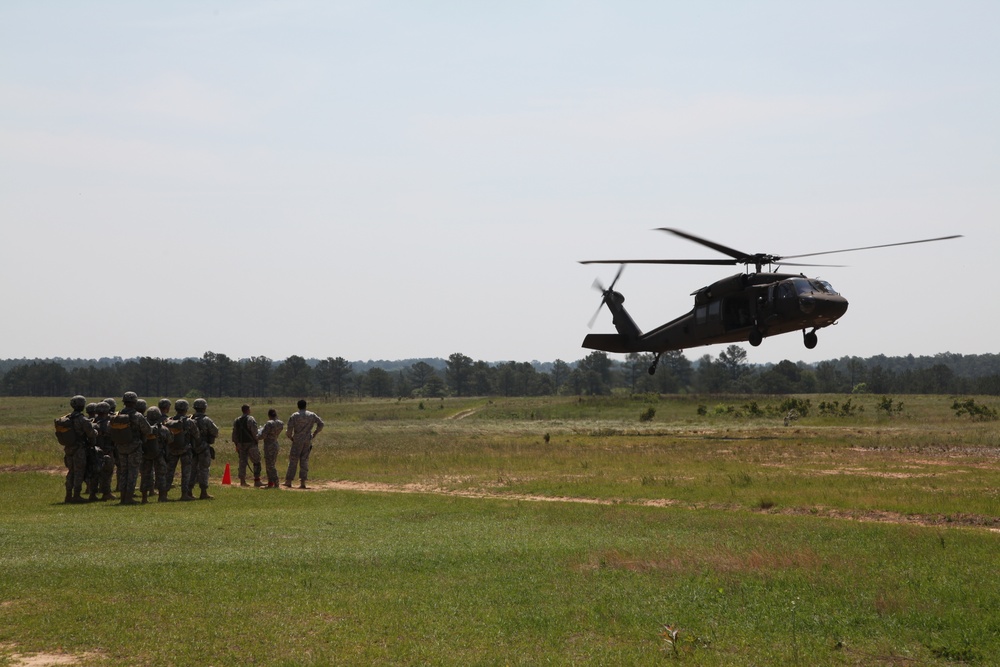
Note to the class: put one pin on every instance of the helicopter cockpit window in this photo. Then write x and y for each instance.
(804, 286)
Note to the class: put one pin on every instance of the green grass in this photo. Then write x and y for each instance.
(747, 560)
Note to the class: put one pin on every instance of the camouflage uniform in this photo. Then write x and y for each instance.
(112, 409)
(300, 430)
(180, 448)
(245, 438)
(75, 456)
(269, 433)
(88, 477)
(130, 456)
(104, 454)
(152, 455)
(159, 471)
(203, 450)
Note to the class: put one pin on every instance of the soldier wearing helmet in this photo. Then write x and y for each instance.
(130, 452)
(183, 434)
(79, 435)
(103, 469)
(152, 456)
(160, 483)
(203, 451)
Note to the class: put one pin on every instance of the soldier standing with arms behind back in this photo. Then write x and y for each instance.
(245, 438)
(269, 434)
(183, 434)
(76, 434)
(130, 449)
(203, 450)
(300, 432)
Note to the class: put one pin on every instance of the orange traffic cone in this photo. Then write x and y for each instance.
(226, 479)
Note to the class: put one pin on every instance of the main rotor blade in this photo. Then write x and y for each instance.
(725, 250)
(710, 262)
(872, 247)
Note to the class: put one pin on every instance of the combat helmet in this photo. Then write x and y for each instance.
(153, 415)
(200, 404)
(78, 402)
(181, 405)
(140, 405)
(112, 403)
(103, 408)
(130, 397)
(164, 405)
(91, 409)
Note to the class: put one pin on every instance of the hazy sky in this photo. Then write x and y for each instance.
(389, 180)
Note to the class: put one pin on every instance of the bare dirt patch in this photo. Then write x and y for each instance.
(16, 659)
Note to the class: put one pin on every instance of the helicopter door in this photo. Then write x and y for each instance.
(785, 300)
(736, 313)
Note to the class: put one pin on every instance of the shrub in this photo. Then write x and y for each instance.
(975, 411)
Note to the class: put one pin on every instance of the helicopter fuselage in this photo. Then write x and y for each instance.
(741, 308)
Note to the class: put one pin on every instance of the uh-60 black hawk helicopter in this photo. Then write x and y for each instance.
(743, 307)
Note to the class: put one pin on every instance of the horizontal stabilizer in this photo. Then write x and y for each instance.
(608, 343)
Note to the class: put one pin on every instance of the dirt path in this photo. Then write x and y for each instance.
(875, 516)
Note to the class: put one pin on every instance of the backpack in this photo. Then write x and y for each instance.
(151, 448)
(121, 429)
(178, 443)
(66, 431)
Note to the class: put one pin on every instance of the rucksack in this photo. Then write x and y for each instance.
(178, 438)
(121, 429)
(66, 431)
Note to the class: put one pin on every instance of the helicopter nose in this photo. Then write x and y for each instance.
(826, 307)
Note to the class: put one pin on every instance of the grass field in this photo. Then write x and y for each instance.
(529, 531)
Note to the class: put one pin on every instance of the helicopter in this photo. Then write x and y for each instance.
(745, 307)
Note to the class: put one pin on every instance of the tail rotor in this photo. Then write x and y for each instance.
(606, 293)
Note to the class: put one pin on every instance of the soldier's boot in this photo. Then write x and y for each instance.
(69, 497)
(163, 496)
(127, 498)
(93, 495)
(145, 494)
(186, 494)
(302, 484)
(77, 497)
(288, 483)
(204, 494)
(243, 481)
(256, 482)
(107, 495)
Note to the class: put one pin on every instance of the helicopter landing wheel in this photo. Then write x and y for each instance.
(656, 362)
(756, 337)
(810, 339)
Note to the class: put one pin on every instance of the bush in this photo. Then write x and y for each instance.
(648, 414)
(975, 411)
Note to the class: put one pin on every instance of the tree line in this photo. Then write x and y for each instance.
(216, 375)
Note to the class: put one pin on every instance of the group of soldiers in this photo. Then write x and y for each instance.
(142, 446)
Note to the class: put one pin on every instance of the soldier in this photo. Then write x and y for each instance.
(89, 478)
(269, 432)
(112, 409)
(152, 457)
(300, 432)
(130, 429)
(105, 455)
(76, 434)
(183, 433)
(245, 438)
(159, 483)
(203, 451)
